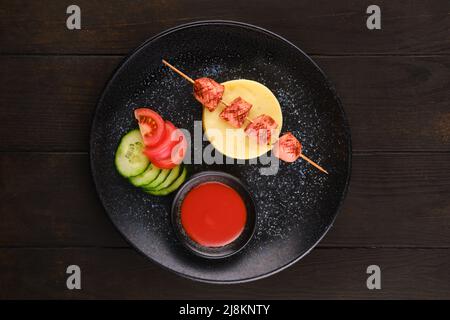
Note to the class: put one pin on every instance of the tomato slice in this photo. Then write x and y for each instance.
(163, 149)
(164, 163)
(171, 151)
(179, 150)
(151, 126)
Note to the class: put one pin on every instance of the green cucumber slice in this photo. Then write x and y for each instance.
(129, 159)
(160, 179)
(145, 177)
(173, 175)
(174, 186)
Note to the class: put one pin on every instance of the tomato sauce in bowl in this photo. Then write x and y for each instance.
(213, 214)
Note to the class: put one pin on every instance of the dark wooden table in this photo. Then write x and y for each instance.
(395, 87)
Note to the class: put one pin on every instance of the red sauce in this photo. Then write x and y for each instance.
(213, 214)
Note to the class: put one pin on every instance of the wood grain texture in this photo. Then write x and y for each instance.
(58, 93)
(50, 200)
(318, 26)
(399, 200)
(395, 88)
(324, 273)
(393, 103)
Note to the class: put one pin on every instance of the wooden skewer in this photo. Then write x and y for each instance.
(192, 81)
(313, 163)
(225, 104)
(178, 71)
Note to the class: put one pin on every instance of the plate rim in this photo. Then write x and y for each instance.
(252, 27)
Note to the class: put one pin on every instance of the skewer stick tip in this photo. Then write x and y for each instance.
(313, 163)
(178, 71)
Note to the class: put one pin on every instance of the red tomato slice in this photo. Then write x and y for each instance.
(179, 150)
(173, 151)
(164, 163)
(151, 126)
(163, 149)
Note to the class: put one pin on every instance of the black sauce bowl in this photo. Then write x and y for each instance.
(250, 224)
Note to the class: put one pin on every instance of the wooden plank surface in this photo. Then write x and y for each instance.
(318, 26)
(59, 93)
(324, 273)
(395, 87)
(49, 200)
(393, 103)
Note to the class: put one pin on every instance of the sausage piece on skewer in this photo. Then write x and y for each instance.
(289, 149)
(261, 128)
(208, 92)
(236, 112)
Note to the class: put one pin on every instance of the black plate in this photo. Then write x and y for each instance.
(295, 208)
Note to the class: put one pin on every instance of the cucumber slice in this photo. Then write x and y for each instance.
(174, 186)
(160, 179)
(173, 175)
(145, 177)
(129, 159)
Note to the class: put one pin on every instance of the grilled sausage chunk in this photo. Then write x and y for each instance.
(288, 148)
(208, 92)
(236, 112)
(261, 129)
